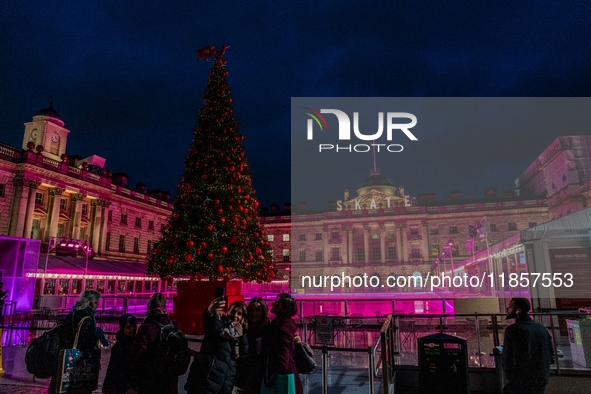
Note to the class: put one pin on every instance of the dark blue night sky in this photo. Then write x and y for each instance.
(125, 76)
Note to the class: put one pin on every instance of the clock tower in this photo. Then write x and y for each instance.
(47, 129)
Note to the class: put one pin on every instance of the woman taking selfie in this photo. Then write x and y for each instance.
(215, 368)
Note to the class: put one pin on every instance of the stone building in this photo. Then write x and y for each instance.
(46, 193)
(384, 232)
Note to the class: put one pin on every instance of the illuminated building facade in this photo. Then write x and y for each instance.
(385, 233)
(46, 193)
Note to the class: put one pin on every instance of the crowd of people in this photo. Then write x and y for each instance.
(243, 350)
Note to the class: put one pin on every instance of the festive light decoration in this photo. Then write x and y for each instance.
(214, 222)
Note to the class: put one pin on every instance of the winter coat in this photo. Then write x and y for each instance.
(527, 355)
(67, 333)
(278, 344)
(252, 369)
(214, 370)
(144, 372)
(118, 376)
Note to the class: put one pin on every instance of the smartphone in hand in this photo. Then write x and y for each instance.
(220, 292)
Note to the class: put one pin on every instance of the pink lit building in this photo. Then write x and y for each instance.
(379, 232)
(46, 193)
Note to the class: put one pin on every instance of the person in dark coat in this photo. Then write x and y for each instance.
(527, 351)
(250, 373)
(225, 346)
(278, 341)
(118, 378)
(85, 306)
(145, 377)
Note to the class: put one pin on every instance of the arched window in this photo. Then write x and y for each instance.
(418, 282)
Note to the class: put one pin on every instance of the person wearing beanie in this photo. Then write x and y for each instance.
(145, 379)
(157, 301)
(118, 378)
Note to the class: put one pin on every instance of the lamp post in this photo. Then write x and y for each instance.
(450, 245)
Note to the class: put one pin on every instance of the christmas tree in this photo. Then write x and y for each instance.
(214, 229)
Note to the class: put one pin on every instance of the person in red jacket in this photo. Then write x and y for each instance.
(278, 342)
(145, 378)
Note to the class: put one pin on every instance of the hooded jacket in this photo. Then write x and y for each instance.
(214, 370)
(119, 371)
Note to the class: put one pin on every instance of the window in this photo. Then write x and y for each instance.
(335, 235)
(285, 237)
(272, 253)
(414, 231)
(151, 225)
(360, 254)
(335, 254)
(455, 251)
(38, 198)
(391, 252)
(302, 237)
(124, 219)
(434, 250)
(434, 231)
(493, 227)
(512, 226)
(375, 235)
(302, 255)
(270, 238)
(122, 243)
(60, 229)
(3, 190)
(63, 203)
(108, 243)
(138, 222)
(391, 234)
(162, 226)
(319, 256)
(533, 224)
(136, 245)
(85, 209)
(110, 216)
(149, 249)
(416, 253)
(375, 254)
(453, 230)
(286, 253)
(318, 236)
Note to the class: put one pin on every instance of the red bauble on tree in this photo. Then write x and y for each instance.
(216, 181)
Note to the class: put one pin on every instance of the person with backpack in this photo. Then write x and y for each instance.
(90, 334)
(224, 347)
(118, 378)
(149, 366)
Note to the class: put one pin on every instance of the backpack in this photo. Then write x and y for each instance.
(42, 353)
(173, 354)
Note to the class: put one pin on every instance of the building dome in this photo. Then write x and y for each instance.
(377, 182)
(51, 113)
